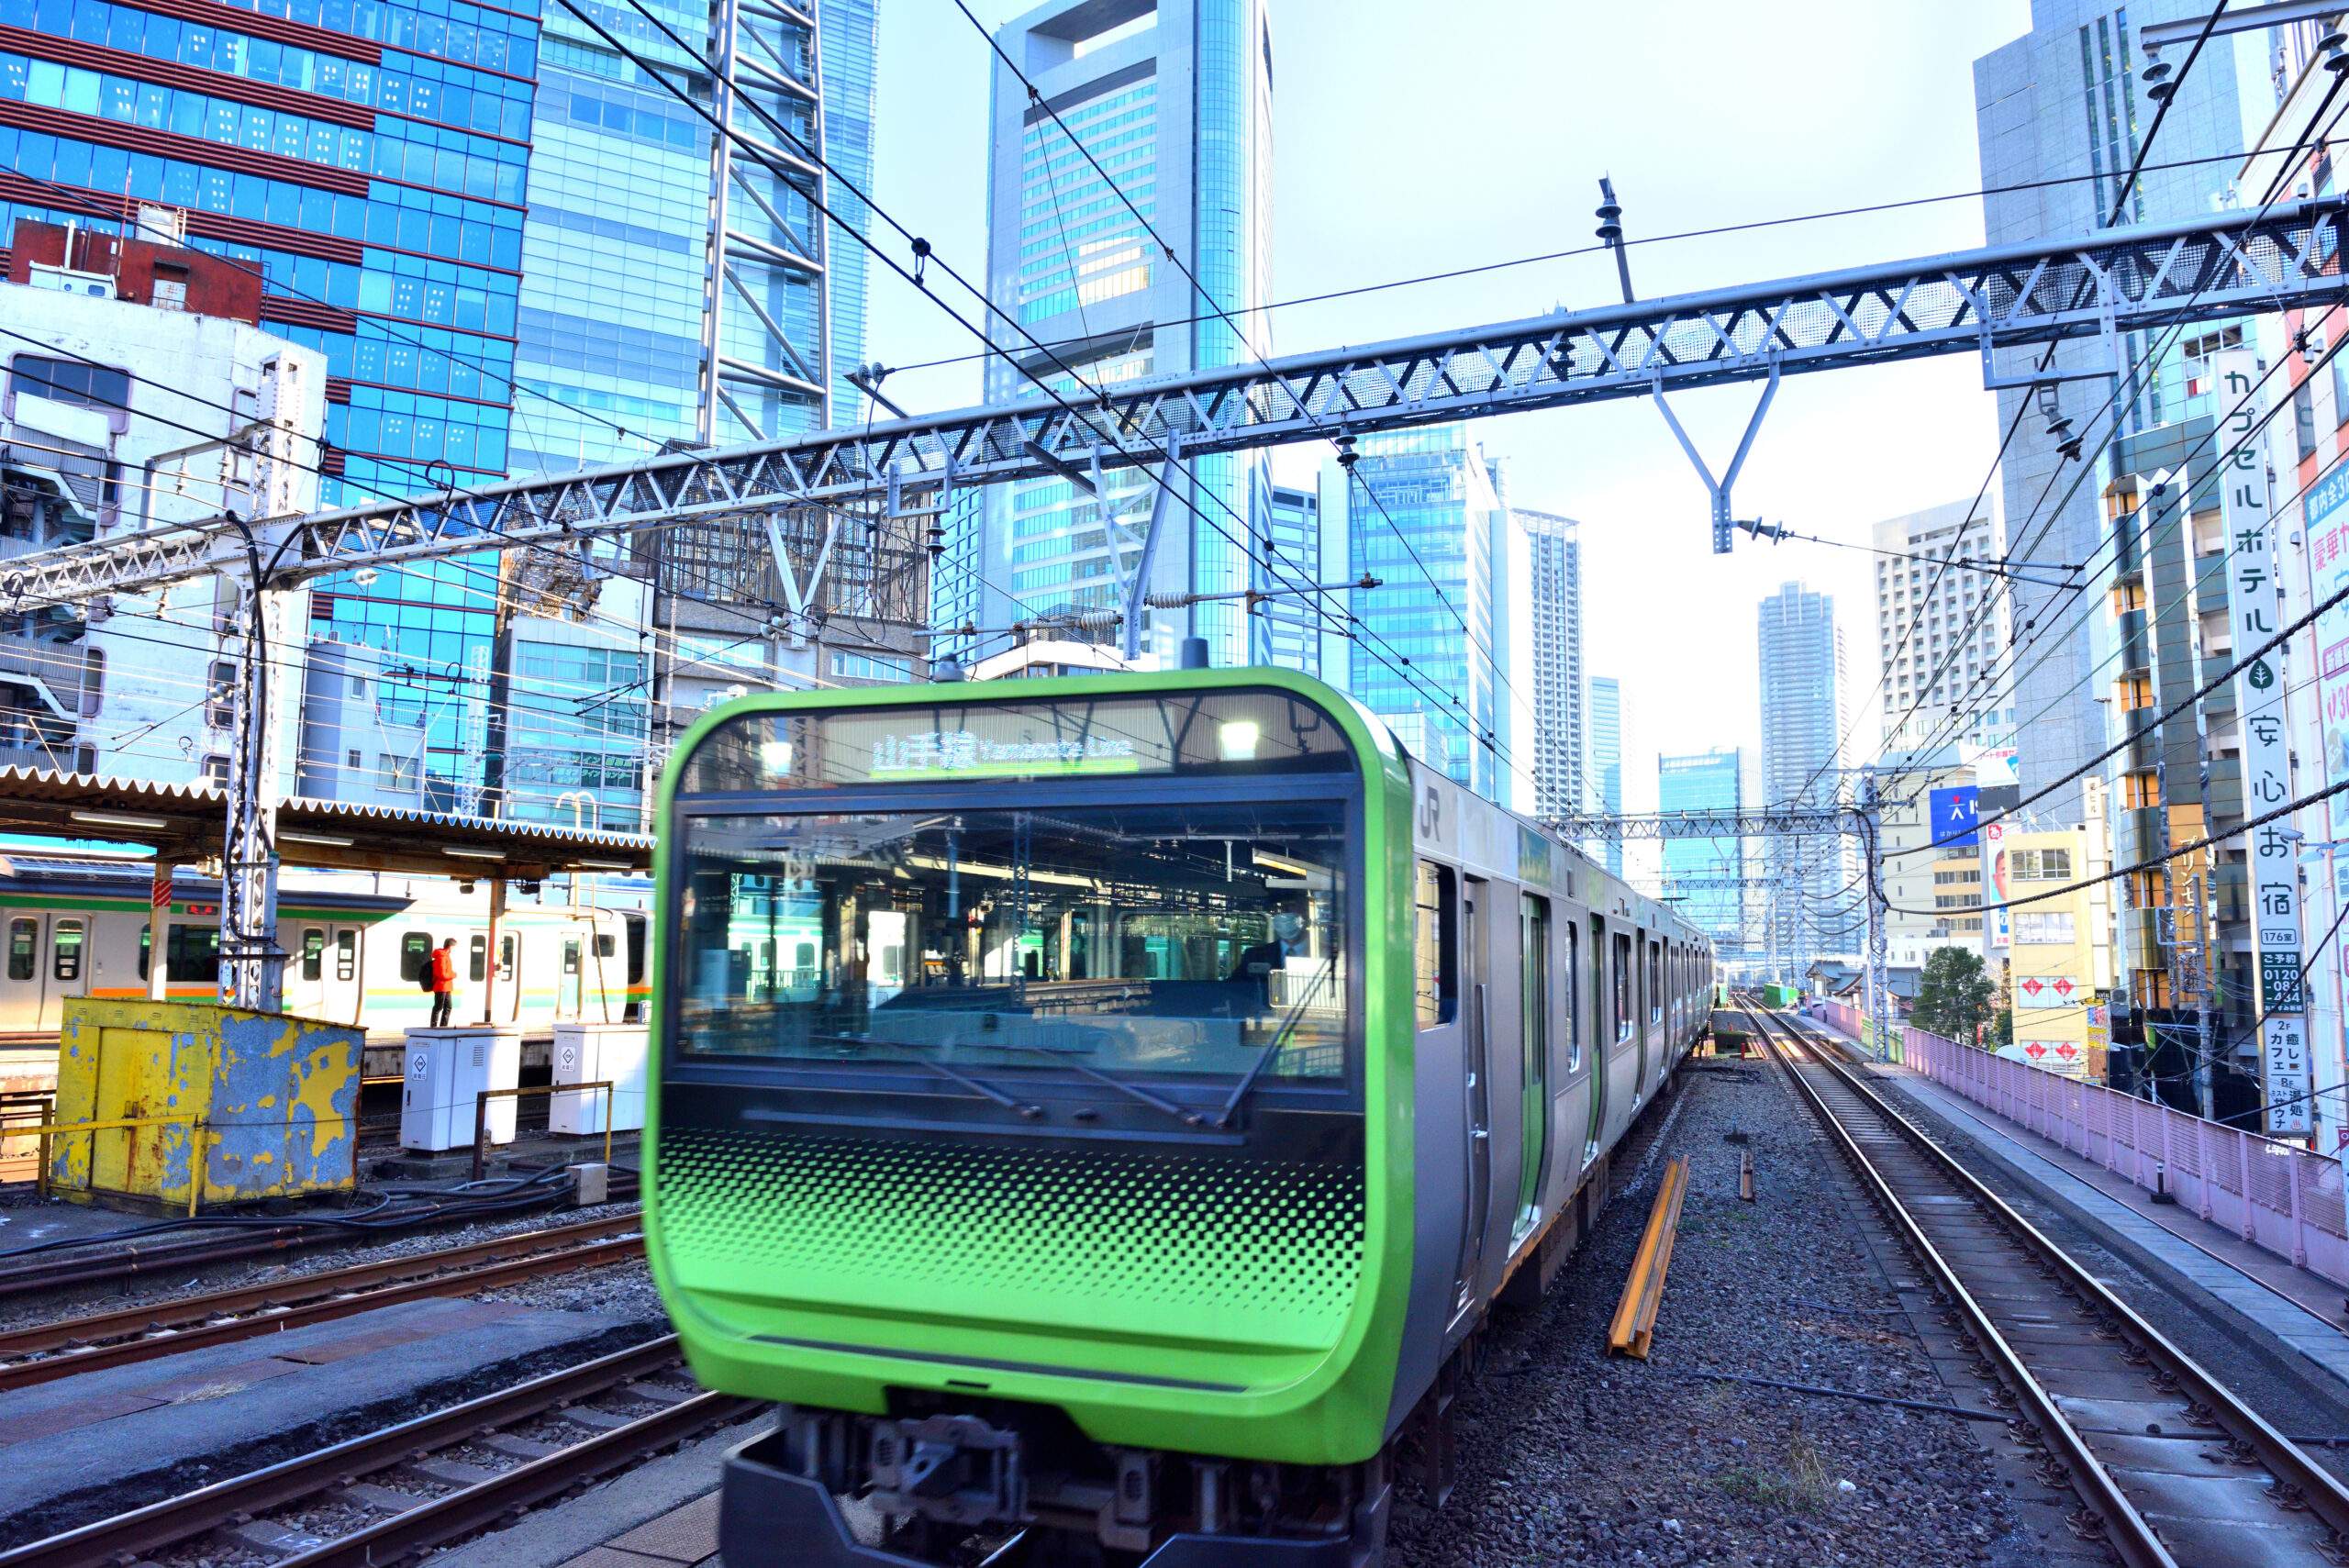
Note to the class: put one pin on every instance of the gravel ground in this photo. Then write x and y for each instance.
(623, 1289)
(1569, 1457)
(19, 1311)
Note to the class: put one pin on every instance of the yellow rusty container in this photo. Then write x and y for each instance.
(270, 1100)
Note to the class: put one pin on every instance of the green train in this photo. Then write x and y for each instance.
(1777, 993)
(1097, 1111)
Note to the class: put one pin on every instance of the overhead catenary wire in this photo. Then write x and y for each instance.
(926, 256)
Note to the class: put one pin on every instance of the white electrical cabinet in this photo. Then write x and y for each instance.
(447, 1069)
(592, 1053)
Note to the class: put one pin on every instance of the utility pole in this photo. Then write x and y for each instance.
(1879, 989)
(252, 966)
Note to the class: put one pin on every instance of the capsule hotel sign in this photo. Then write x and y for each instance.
(2252, 605)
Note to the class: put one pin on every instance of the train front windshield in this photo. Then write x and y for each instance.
(1153, 892)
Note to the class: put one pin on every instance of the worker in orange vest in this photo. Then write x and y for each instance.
(444, 983)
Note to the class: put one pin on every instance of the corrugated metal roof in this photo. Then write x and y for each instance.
(187, 821)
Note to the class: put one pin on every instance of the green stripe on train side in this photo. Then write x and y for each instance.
(1333, 1412)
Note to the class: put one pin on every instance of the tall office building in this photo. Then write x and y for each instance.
(615, 327)
(1604, 794)
(1941, 626)
(1174, 100)
(370, 161)
(1706, 875)
(1423, 513)
(2060, 113)
(1561, 736)
(1804, 693)
(1287, 631)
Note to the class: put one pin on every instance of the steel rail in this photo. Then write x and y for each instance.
(126, 1537)
(69, 1346)
(2325, 1494)
(473, 1509)
(2132, 1535)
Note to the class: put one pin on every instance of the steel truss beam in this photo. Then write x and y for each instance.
(1774, 824)
(1974, 302)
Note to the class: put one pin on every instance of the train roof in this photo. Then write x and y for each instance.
(38, 876)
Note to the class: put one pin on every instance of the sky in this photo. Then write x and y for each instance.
(1402, 148)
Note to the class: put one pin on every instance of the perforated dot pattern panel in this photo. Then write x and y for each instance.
(1108, 1239)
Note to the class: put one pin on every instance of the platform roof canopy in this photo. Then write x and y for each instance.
(186, 823)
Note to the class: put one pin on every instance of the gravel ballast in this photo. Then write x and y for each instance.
(1570, 1457)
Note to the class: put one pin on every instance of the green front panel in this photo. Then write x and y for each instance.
(1205, 1301)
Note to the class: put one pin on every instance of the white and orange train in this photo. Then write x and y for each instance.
(355, 941)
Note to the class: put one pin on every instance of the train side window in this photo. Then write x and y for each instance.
(635, 923)
(415, 953)
(191, 952)
(1655, 982)
(607, 945)
(346, 955)
(571, 958)
(1625, 1011)
(1436, 962)
(477, 958)
(145, 940)
(510, 955)
(65, 951)
(24, 942)
(1573, 1014)
(314, 954)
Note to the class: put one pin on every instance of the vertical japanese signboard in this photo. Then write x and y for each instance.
(1993, 884)
(2243, 513)
(2327, 526)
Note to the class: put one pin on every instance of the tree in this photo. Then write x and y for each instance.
(1954, 995)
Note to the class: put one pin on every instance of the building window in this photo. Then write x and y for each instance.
(73, 382)
(395, 773)
(2140, 791)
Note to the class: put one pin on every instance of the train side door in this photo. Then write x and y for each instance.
(343, 971)
(21, 972)
(1476, 1055)
(566, 1004)
(1533, 1044)
(67, 973)
(1602, 1037)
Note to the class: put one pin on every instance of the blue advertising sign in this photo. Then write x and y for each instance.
(1956, 813)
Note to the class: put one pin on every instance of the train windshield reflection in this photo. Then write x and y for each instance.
(1145, 939)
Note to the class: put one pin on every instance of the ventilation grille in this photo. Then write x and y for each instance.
(1106, 1241)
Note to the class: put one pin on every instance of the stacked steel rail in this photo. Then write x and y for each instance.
(2159, 1491)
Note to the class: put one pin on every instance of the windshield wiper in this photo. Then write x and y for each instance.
(1183, 1114)
(1273, 1047)
(1026, 1110)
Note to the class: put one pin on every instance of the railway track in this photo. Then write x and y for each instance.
(391, 1494)
(45, 1352)
(2176, 1471)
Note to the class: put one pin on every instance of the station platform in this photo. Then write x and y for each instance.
(2303, 1318)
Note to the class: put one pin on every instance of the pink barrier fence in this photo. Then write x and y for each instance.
(2278, 1196)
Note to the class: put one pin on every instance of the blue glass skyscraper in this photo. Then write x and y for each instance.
(371, 158)
(1706, 874)
(617, 330)
(1174, 101)
(1423, 515)
(1607, 760)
